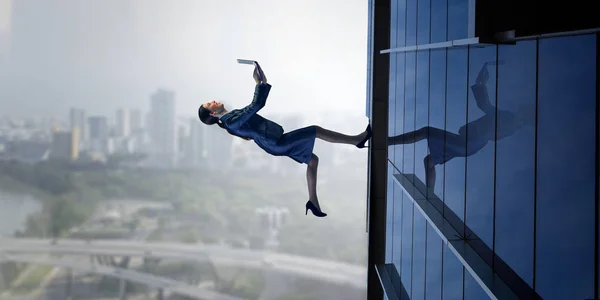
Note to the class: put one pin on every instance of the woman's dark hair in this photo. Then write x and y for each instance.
(206, 118)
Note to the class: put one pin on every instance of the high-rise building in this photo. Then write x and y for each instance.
(195, 145)
(77, 120)
(122, 123)
(98, 134)
(162, 128)
(485, 127)
(65, 145)
(135, 120)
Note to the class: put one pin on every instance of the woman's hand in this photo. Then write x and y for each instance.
(259, 75)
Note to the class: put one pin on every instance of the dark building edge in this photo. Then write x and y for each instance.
(378, 146)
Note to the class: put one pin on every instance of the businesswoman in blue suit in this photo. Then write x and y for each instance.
(246, 123)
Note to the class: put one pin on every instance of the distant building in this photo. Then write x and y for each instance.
(135, 120)
(122, 123)
(65, 145)
(77, 120)
(98, 134)
(162, 129)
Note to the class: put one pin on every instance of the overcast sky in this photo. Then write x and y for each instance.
(105, 54)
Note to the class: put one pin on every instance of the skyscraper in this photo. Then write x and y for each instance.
(162, 128)
(122, 123)
(77, 120)
(98, 134)
(471, 193)
(135, 120)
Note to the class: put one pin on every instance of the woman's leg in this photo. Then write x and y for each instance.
(336, 137)
(311, 179)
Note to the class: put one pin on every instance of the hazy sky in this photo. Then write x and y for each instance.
(105, 54)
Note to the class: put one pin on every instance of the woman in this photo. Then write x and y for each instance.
(246, 123)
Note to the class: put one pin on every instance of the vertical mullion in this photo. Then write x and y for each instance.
(596, 223)
(535, 169)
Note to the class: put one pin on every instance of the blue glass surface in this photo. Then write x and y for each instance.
(456, 117)
(433, 269)
(411, 22)
(419, 245)
(421, 112)
(389, 226)
(458, 19)
(473, 290)
(439, 20)
(409, 110)
(566, 168)
(452, 287)
(399, 128)
(481, 134)
(437, 107)
(397, 228)
(392, 104)
(393, 24)
(515, 157)
(423, 21)
(407, 244)
(401, 23)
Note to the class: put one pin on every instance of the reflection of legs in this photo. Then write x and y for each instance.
(311, 179)
(429, 172)
(336, 137)
(415, 136)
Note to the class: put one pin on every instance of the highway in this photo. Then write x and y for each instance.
(166, 284)
(335, 272)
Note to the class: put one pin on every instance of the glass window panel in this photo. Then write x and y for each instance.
(407, 244)
(423, 21)
(453, 276)
(397, 229)
(399, 107)
(439, 20)
(411, 22)
(421, 113)
(392, 104)
(393, 24)
(419, 244)
(409, 111)
(437, 109)
(515, 157)
(473, 290)
(389, 227)
(481, 134)
(433, 271)
(455, 143)
(566, 169)
(401, 23)
(458, 19)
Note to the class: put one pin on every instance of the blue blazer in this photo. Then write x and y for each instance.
(247, 123)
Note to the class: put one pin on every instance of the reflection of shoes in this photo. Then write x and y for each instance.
(315, 210)
(369, 134)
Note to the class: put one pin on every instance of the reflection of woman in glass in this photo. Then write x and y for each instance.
(246, 123)
(480, 131)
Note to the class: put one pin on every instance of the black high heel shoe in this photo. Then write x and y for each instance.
(369, 134)
(316, 211)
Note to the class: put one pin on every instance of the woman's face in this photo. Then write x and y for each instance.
(213, 106)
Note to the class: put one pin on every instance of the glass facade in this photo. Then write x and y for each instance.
(501, 141)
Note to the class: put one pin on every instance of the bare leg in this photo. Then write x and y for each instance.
(409, 137)
(311, 179)
(336, 137)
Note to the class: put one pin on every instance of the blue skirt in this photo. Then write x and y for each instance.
(297, 144)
